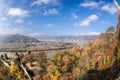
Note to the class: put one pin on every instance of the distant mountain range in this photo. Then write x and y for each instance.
(73, 39)
(2, 38)
(17, 38)
(19, 42)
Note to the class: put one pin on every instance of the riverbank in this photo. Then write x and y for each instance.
(49, 54)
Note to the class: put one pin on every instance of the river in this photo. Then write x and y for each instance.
(11, 54)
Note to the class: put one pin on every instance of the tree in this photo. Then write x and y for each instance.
(109, 32)
(111, 29)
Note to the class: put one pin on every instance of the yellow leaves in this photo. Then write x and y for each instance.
(53, 72)
(55, 77)
(18, 74)
(76, 50)
(66, 59)
(14, 68)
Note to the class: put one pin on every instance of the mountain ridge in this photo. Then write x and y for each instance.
(18, 38)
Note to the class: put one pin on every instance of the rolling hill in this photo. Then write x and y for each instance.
(17, 38)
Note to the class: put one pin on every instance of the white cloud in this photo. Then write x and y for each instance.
(30, 23)
(17, 12)
(91, 4)
(19, 20)
(94, 33)
(7, 30)
(90, 33)
(24, 1)
(101, 5)
(109, 8)
(50, 25)
(7, 23)
(44, 2)
(51, 11)
(4, 19)
(40, 2)
(105, 22)
(74, 16)
(3, 6)
(35, 35)
(87, 21)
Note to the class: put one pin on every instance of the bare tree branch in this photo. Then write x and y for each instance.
(116, 3)
(26, 71)
(5, 63)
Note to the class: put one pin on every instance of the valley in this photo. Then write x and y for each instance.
(21, 43)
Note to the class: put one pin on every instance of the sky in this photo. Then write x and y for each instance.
(56, 17)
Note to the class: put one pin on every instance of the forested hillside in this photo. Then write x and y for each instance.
(99, 60)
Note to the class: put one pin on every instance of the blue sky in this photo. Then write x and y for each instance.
(56, 17)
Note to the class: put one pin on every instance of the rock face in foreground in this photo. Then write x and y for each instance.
(19, 39)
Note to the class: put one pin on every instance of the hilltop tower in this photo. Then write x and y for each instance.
(118, 25)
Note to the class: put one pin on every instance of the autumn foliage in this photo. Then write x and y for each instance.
(99, 60)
